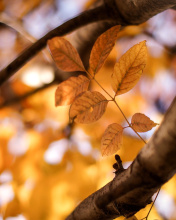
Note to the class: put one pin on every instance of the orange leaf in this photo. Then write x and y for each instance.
(88, 107)
(102, 48)
(142, 123)
(128, 70)
(112, 139)
(65, 55)
(69, 89)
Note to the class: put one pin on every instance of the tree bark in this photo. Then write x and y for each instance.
(132, 189)
(125, 12)
(138, 11)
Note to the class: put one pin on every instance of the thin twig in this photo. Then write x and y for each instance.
(152, 205)
(26, 95)
(7, 21)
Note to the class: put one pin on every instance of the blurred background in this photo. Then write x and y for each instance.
(47, 166)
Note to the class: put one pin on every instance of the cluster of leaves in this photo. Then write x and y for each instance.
(89, 106)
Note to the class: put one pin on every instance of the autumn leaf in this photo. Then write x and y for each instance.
(65, 55)
(88, 107)
(142, 123)
(128, 70)
(112, 139)
(69, 89)
(102, 48)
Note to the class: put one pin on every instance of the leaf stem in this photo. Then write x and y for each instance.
(113, 99)
(122, 112)
(93, 78)
(103, 89)
(126, 127)
(138, 135)
(128, 121)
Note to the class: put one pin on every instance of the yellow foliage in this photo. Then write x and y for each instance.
(50, 191)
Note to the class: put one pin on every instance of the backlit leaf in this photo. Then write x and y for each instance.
(69, 89)
(102, 48)
(128, 70)
(65, 55)
(112, 139)
(88, 107)
(142, 123)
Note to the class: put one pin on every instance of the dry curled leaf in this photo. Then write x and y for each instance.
(112, 139)
(102, 48)
(88, 107)
(128, 70)
(65, 55)
(69, 89)
(142, 123)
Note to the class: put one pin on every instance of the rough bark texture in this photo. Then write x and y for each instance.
(132, 189)
(125, 12)
(136, 12)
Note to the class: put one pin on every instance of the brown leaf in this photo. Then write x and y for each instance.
(88, 107)
(128, 70)
(112, 139)
(102, 48)
(65, 55)
(142, 123)
(69, 89)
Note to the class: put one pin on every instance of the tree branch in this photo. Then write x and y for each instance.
(85, 18)
(125, 12)
(137, 12)
(132, 189)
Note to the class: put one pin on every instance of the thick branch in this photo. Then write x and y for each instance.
(133, 188)
(138, 11)
(116, 11)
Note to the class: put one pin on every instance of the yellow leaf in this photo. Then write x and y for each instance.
(142, 123)
(112, 139)
(69, 89)
(88, 107)
(128, 70)
(102, 48)
(65, 55)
